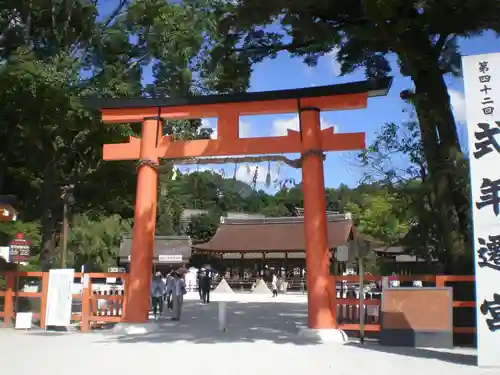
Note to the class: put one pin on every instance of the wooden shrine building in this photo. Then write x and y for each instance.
(249, 246)
(169, 252)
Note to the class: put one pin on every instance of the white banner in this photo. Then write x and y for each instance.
(59, 297)
(482, 96)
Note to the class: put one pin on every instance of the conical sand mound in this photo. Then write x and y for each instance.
(223, 287)
(261, 288)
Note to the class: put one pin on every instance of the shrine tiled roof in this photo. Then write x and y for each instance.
(164, 246)
(282, 234)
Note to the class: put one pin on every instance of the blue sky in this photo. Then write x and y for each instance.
(340, 167)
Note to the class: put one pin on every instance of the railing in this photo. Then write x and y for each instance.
(348, 308)
(97, 306)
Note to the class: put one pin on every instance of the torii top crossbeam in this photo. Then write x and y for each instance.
(310, 141)
(228, 108)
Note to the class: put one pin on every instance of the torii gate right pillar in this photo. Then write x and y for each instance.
(321, 315)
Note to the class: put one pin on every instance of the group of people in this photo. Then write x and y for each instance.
(169, 290)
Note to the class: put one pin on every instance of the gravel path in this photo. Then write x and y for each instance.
(260, 337)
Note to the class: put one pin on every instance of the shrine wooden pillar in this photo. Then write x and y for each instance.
(319, 300)
(137, 296)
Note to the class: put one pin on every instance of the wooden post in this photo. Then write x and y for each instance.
(10, 281)
(143, 235)
(361, 271)
(320, 315)
(86, 301)
(440, 281)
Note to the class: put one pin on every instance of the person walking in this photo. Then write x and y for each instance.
(168, 292)
(274, 284)
(199, 277)
(178, 291)
(206, 282)
(158, 288)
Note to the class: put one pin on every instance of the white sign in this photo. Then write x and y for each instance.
(342, 253)
(170, 258)
(482, 96)
(23, 320)
(5, 252)
(116, 269)
(59, 297)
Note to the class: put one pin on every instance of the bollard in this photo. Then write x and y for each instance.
(222, 316)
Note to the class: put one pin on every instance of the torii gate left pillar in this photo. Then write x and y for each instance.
(311, 141)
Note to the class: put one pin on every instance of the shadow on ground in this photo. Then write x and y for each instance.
(469, 359)
(246, 322)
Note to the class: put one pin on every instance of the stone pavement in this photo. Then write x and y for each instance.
(261, 337)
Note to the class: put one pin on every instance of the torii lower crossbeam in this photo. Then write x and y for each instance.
(310, 141)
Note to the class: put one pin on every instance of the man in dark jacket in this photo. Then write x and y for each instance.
(206, 282)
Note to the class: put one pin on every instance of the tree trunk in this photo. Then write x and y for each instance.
(48, 218)
(441, 199)
(434, 100)
(419, 59)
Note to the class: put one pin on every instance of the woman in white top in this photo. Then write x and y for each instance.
(274, 284)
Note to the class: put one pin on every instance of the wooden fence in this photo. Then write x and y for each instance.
(348, 308)
(99, 307)
(93, 312)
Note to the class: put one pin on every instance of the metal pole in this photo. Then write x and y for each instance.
(361, 300)
(64, 249)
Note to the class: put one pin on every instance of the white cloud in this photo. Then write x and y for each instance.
(206, 123)
(457, 100)
(335, 66)
(245, 128)
(281, 126)
(245, 173)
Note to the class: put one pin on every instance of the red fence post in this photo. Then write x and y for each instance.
(10, 281)
(86, 300)
(440, 281)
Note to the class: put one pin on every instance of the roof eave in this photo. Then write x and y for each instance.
(374, 88)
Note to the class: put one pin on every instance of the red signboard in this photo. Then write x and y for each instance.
(19, 249)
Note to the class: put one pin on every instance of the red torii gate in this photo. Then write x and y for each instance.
(310, 141)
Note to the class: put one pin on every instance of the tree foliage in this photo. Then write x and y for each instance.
(55, 56)
(95, 243)
(421, 34)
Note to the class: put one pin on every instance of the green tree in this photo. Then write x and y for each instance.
(202, 228)
(96, 243)
(52, 57)
(396, 159)
(377, 218)
(422, 34)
